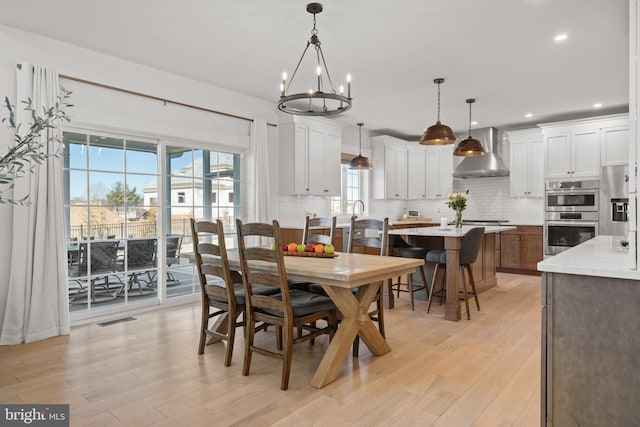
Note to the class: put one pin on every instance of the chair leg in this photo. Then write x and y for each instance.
(443, 283)
(436, 272)
(398, 290)
(424, 280)
(356, 346)
(410, 280)
(232, 318)
(248, 343)
(466, 295)
(204, 324)
(380, 304)
(279, 337)
(473, 286)
(286, 357)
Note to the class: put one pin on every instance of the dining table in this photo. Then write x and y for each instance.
(338, 276)
(452, 244)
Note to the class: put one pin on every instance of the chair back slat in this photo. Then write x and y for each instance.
(314, 227)
(103, 257)
(209, 249)
(141, 254)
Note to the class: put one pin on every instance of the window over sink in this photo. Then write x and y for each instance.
(353, 187)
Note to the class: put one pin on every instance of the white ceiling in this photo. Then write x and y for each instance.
(501, 52)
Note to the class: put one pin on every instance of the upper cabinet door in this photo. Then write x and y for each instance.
(519, 165)
(585, 153)
(400, 171)
(416, 173)
(432, 174)
(536, 168)
(332, 163)
(446, 170)
(316, 162)
(526, 163)
(614, 145)
(300, 159)
(558, 155)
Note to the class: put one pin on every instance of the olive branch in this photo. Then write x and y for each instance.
(30, 148)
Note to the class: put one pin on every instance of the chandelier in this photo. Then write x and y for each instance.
(321, 100)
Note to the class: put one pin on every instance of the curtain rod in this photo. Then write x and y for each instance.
(157, 98)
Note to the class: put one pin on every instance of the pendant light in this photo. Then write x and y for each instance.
(438, 134)
(360, 162)
(470, 147)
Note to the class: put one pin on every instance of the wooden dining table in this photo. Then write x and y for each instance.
(338, 276)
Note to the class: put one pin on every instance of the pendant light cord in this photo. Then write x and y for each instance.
(438, 101)
(360, 137)
(470, 118)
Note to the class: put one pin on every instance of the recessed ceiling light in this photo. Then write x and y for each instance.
(474, 123)
(560, 37)
(528, 115)
(597, 105)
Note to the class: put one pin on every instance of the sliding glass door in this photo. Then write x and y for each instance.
(128, 223)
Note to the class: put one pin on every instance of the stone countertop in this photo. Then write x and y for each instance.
(449, 231)
(602, 256)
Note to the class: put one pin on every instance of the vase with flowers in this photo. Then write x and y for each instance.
(458, 202)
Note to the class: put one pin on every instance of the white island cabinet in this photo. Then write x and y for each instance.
(309, 157)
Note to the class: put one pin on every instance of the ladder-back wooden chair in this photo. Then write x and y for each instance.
(286, 310)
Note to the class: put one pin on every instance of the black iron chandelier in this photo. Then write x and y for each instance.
(323, 100)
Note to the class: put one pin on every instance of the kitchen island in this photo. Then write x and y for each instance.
(590, 340)
(484, 269)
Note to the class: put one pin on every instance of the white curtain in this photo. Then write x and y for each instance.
(258, 188)
(37, 302)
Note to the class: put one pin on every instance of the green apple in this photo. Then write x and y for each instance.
(301, 248)
(273, 246)
(329, 249)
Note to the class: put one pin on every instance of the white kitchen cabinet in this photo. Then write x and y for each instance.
(438, 171)
(526, 163)
(416, 173)
(614, 143)
(389, 173)
(578, 148)
(309, 157)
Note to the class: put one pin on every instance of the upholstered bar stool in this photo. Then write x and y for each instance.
(470, 247)
(400, 248)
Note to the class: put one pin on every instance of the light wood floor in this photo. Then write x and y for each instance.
(483, 372)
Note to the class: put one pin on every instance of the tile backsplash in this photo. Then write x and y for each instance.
(488, 199)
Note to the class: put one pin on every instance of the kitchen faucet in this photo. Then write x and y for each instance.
(353, 209)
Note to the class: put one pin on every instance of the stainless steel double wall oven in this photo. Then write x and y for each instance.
(571, 214)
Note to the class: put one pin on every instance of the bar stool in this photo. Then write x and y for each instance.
(470, 247)
(400, 248)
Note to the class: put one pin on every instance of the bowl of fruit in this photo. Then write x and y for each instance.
(300, 249)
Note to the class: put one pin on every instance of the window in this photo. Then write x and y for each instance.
(353, 188)
(230, 197)
(214, 197)
(181, 197)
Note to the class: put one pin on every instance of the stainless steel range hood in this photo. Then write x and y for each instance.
(483, 166)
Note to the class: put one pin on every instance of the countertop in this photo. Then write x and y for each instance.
(601, 256)
(448, 232)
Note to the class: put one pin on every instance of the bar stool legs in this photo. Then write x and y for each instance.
(440, 271)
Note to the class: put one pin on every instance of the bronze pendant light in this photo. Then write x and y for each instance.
(438, 134)
(360, 162)
(469, 147)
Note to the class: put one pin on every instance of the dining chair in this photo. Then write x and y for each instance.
(370, 236)
(174, 245)
(97, 260)
(141, 261)
(469, 249)
(315, 231)
(286, 310)
(220, 287)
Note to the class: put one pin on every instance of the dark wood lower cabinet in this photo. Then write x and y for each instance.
(521, 250)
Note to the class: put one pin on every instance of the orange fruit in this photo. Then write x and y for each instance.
(319, 248)
(292, 247)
